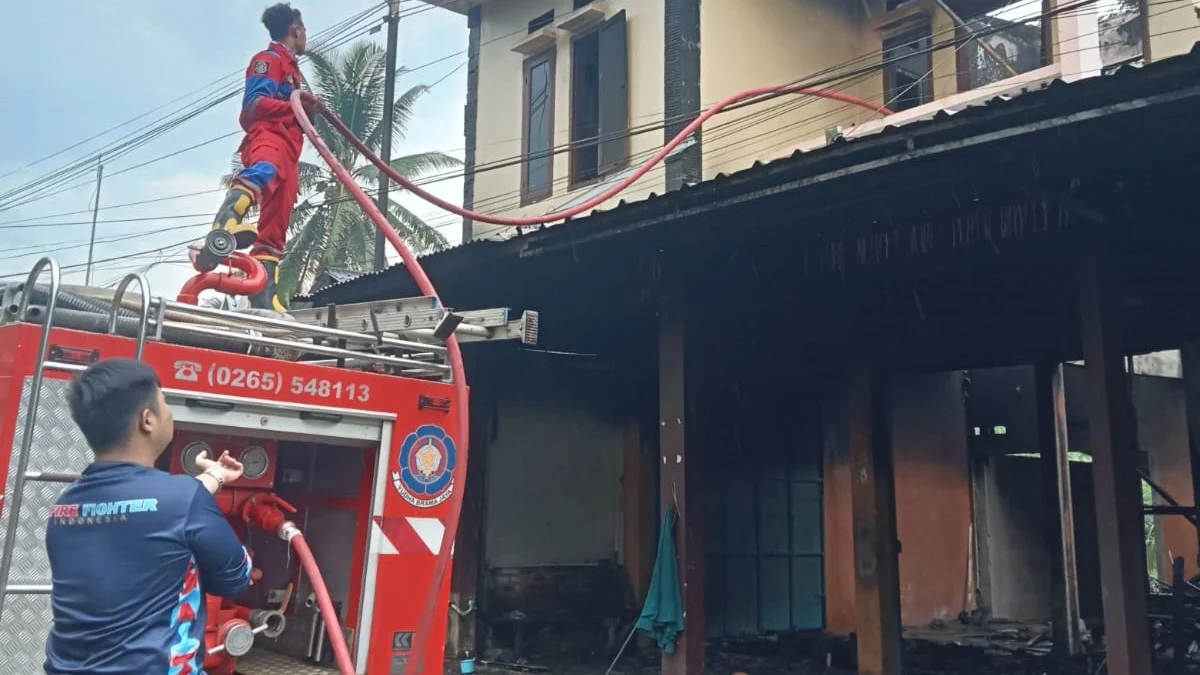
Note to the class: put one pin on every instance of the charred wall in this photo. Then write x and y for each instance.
(933, 503)
(553, 507)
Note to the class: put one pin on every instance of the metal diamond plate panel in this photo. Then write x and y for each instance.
(263, 662)
(26, 622)
(57, 446)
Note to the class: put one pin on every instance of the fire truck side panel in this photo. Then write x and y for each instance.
(11, 629)
(10, 392)
(397, 540)
(414, 494)
(400, 592)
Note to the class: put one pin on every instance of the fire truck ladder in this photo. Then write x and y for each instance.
(399, 337)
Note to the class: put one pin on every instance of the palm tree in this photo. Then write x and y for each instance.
(328, 229)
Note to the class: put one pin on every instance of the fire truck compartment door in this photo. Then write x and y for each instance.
(284, 421)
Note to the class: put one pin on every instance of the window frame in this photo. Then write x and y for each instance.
(573, 182)
(602, 171)
(962, 62)
(549, 56)
(925, 28)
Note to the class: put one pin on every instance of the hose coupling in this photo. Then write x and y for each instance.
(288, 531)
(271, 622)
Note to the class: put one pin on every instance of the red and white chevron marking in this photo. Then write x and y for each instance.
(408, 536)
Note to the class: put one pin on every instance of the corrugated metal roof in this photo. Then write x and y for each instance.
(1036, 93)
(340, 274)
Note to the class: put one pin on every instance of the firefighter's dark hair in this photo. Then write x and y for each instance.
(279, 19)
(108, 397)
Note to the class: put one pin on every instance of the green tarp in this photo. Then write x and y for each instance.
(662, 615)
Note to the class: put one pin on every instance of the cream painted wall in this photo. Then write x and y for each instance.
(753, 43)
(501, 71)
(1174, 28)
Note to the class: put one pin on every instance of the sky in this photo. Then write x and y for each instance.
(1019, 9)
(105, 66)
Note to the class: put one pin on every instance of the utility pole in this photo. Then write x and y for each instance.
(389, 102)
(95, 212)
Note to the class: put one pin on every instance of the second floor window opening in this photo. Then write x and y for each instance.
(1002, 43)
(537, 172)
(599, 101)
(908, 73)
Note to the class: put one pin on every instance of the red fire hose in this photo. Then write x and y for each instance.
(301, 98)
(341, 653)
(253, 279)
(268, 512)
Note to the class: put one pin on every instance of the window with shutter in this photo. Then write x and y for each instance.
(537, 170)
(600, 101)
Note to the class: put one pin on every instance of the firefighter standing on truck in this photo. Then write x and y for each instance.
(270, 151)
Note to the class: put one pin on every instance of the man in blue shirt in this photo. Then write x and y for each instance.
(133, 550)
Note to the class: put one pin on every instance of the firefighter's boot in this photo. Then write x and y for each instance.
(268, 298)
(229, 231)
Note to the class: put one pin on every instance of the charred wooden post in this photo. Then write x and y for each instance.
(680, 466)
(1114, 465)
(1051, 404)
(876, 549)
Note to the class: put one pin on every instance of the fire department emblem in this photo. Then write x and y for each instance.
(426, 465)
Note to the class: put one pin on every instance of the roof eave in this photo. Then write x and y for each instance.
(456, 6)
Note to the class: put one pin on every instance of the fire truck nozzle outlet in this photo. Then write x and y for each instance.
(270, 621)
(237, 637)
(269, 512)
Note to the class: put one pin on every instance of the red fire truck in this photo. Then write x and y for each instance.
(344, 418)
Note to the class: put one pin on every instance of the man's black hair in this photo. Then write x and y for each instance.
(279, 18)
(108, 397)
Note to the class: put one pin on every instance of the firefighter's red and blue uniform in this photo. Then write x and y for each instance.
(133, 551)
(270, 153)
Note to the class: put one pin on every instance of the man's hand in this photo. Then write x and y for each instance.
(311, 108)
(225, 467)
